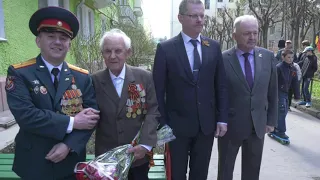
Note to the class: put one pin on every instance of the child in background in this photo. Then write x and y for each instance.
(309, 66)
(287, 78)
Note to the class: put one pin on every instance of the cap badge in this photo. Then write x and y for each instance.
(59, 23)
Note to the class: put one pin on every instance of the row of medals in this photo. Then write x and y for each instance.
(71, 103)
(130, 110)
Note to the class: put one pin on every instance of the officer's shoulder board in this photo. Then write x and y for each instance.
(25, 64)
(75, 68)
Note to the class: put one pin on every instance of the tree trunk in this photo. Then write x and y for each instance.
(296, 35)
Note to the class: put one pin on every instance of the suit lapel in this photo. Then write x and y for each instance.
(258, 67)
(179, 44)
(65, 81)
(204, 51)
(108, 87)
(129, 78)
(43, 75)
(234, 61)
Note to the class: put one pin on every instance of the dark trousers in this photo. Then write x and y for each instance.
(282, 111)
(195, 149)
(305, 89)
(290, 94)
(251, 148)
(139, 172)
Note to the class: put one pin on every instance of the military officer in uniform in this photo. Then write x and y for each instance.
(52, 101)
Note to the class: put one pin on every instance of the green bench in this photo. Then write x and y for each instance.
(6, 160)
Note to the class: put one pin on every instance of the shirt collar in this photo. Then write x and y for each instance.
(240, 53)
(121, 75)
(50, 66)
(187, 38)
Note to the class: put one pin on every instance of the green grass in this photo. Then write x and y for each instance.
(316, 94)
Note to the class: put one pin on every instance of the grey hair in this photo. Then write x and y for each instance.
(240, 19)
(116, 33)
(183, 7)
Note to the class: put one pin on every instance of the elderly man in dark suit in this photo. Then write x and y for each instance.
(191, 89)
(253, 101)
(47, 97)
(126, 98)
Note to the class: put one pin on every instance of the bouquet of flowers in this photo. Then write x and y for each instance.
(115, 164)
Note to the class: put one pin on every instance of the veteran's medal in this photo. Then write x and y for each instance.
(128, 115)
(129, 109)
(43, 90)
(134, 115)
(138, 112)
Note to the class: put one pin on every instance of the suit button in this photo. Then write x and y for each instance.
(198, 87)
(199, 103)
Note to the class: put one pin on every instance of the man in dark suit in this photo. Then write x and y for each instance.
(52, 101)
(253, 101)
(190, 82)
(126, 98)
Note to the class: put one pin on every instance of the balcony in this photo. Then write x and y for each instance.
(127, 15)
(138, 11)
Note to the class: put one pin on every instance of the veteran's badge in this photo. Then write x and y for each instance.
(10, 83)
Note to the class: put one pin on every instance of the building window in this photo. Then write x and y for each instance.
(230, 1)
(220, 0)
(103, 24)
(219, 10)
(86, 19)
(60, 3)
(2, 35)
(207, 4)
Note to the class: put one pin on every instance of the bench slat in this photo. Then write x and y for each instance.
(6, 156)
(5, 168)
(8, 175)
(157, 176)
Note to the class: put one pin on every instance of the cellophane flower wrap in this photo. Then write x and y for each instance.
(115, 163)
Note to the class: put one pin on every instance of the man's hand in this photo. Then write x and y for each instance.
(86, 119)
(139, 151)
(269, 129)
(58, 153)
(221, 130)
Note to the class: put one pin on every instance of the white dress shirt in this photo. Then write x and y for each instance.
(50, 67)
(118, 84)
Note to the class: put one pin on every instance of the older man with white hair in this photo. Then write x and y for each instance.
(126, 98)
(253, 101)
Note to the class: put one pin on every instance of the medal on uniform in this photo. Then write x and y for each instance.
(129, 109)
(134, 115)
(128, 115)
(139, 111)
(43, 90)
(36, 89)
(143, 100)
(73, 86)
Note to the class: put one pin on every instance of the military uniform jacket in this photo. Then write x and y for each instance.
(37, 109)
(288, 78)
(120, 119)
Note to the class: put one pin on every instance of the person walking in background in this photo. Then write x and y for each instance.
(308, 65)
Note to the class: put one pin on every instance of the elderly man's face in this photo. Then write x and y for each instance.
(288, 45)
(246, 35)
(115, 54)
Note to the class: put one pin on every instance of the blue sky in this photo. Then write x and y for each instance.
(157, 14)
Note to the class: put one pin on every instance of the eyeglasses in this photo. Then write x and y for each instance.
(194, 16)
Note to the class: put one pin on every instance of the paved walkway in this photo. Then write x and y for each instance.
(298, 161)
